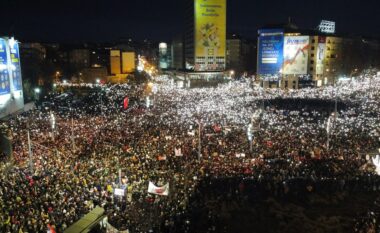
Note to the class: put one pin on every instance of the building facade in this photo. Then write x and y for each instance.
(205, 35)
(292, 58)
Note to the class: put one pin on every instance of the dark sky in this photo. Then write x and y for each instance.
(108, 20)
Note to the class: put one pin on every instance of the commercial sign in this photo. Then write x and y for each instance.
(11, 95)
(295, 54)
(270, 51)
(4, 75)
(210, 35)
(15, 65)
(320, 54)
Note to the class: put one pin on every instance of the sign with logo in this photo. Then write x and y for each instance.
(15, 65)
(270, 51)
(296, 51)
(4, 75)
(210, 35)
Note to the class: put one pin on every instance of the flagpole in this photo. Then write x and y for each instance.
(30, 152)
(72, 131)
(199, 141)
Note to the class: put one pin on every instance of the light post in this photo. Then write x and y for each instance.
(30, 150)
(52, 121)
(330, 124)
(37, 92)
(199, 135)
(250, 136)
(72, 131)
(57, 76)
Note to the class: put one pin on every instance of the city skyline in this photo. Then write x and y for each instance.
(103, 21)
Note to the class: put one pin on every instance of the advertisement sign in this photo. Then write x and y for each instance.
(270, 51)
(296, 54)
(320, 54)
(4, 75)
(15, 67)
(210, 35)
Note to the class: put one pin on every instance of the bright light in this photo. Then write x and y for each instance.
(97, 81)
(12, 42)
(64, 81)
(232, 72)
(37, 90)
(54, 85)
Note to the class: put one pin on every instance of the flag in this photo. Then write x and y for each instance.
(162, 191)
(51, 229)
(161, 157)
(126, 102)
(217, 128)
(191, 133)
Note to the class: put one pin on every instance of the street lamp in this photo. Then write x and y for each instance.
(97, 81)
(250, 136)
(37, 92)
(52, 121)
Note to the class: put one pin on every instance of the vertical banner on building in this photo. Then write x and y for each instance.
(321, 54)
(296, 51)
(210, 35)
(4, 75)
(15, 65)
(270, 51)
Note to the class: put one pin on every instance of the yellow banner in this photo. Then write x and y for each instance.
(210, 28)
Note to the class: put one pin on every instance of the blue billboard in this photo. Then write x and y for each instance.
(270, 51)
(16, 68)
(4, 75)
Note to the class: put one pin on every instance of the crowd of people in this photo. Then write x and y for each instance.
(97, 146)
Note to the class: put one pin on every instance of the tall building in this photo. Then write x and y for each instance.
(177, 51)
(240, 54)
(79, 58)
(205, 35)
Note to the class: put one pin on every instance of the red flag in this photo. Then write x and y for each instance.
(126, 102)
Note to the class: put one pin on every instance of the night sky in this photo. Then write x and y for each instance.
(159, 20)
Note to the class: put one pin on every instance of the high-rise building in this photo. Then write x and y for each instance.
(177, 53)
(205, 35)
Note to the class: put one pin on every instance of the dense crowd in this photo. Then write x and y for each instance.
(76, 165)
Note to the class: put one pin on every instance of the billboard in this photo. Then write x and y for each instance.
(320, 54)
(11, 94)
(5, 86)
(15, 65)
(270, 51)
(210, 35)
(296, 51)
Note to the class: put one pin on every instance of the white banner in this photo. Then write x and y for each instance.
(111, 229)
(321, 55)
(178, 152)
(296, 54)
(162, 191)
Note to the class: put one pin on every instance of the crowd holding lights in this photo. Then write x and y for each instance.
(187, 136)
